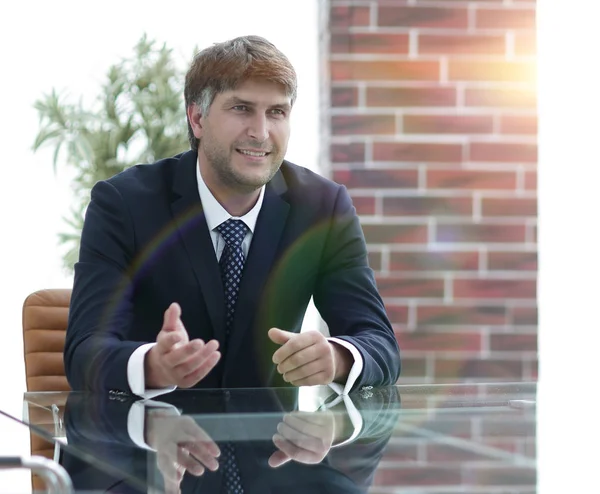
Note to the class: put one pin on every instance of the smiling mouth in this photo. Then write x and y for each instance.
(253, 154)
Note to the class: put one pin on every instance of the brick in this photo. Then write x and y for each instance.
(525, 44)
(500, 98)
(488, 71)
(413, 367)
(374, 260)
(446, 453)
(393, 70)
(513, 425)
(364, 205)
(434, 261)
(531, 180)
(430, 44)
(512, 261)
(377, 179)
(471, 180)
(345, 16)
(448, 124)
(519, 124)
(398, 314)
(495, 288)
(416, 475)
(417, 152)
(401, 451)
(464, 368)
(401, 286)
(498, 152)
(440, 342)
(427, 206)
(523, 316)
(348, 153)
(366, 43)
(479, 233)
(408, 16)
(515, 206)
(363, 125)
(411, 96)
(500, 475)
(388, 234)
(474, 315)
(505, 19)
(513, 342)
(344, 96)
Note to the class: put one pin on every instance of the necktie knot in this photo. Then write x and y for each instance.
(233, 232)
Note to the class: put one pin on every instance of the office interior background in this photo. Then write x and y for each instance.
(427, 110)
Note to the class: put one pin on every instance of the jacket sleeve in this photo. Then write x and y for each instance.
(100, 316)
(346, 296)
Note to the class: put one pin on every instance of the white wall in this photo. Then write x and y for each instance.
(69, 45)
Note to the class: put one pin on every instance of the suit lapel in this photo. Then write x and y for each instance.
(260, 260)
(193, 229)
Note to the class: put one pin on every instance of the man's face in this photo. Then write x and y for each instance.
(244, 137)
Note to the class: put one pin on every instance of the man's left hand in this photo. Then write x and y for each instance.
(309, 359)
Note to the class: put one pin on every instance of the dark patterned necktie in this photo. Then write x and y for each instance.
(232, 265)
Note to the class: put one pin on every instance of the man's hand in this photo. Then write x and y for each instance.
(303, 437)
(308, 359)
(175, 360)
(181, 445)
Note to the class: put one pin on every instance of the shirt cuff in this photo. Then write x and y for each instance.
(355, 371)
(353, 414)
(136, 377)
(136, 421)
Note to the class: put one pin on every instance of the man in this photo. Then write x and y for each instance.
(196, 271)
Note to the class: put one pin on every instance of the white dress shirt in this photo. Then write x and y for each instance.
(215, 215)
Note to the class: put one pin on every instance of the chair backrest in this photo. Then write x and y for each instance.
(45, 315)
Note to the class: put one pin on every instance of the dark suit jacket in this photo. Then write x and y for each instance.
(97, 425)
(145, 244)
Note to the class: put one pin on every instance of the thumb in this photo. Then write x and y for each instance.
(172, 316)
(280, 336)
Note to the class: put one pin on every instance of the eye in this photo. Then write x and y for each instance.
(277, 111)
(240, 108)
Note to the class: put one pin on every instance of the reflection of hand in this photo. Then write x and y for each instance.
(304, 437)
(176, 361)
(180, 444)
(309, 359)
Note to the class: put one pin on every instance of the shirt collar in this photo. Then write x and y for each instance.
(216, 214)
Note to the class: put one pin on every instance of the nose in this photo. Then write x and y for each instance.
(259, 128)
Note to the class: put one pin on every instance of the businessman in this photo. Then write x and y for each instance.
(196, 270)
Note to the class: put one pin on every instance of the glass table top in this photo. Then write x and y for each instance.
(442, 439)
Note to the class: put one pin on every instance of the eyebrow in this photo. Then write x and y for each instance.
(235, 100)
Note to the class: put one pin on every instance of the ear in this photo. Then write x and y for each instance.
(195, 119)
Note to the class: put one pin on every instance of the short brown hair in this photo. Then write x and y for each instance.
(223, 66)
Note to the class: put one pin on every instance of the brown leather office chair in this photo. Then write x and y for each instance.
(45, 315)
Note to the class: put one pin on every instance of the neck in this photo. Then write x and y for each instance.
(235, 201)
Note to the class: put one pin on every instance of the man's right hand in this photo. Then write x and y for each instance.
(175, 360)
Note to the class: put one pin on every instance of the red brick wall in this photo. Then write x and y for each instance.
(431, 124)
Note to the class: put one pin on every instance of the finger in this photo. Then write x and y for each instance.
(278, 458)
(189, 463)
(318, 379)
(172, 317)
(201, 371)
(179, 355)
(308, 368)
(168, 341)
(168, 467)
(289, 448)
(200, 453)
(279, 336)
(300, 439)
(196, 434)
(316, 428)
(296, 343)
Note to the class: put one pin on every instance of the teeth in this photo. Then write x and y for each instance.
(252, 153)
